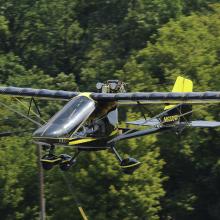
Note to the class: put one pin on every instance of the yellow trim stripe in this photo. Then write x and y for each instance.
(80, 141)
(114, 132)
(65, 161)
(51, 161)
(132, 165)
(86, 94)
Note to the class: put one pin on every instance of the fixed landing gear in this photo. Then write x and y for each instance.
(64, 161)
(67, 162)
(128, 165)
(50, 160)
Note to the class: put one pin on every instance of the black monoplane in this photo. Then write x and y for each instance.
(89, 121)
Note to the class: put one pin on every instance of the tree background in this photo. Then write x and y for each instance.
(71, 45)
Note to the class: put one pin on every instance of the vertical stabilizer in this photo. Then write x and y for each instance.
(181, 85)
(177, 113)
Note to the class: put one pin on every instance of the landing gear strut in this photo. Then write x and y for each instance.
(65, 161)
(128, 165)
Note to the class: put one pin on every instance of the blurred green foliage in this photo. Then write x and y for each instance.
(71, 45)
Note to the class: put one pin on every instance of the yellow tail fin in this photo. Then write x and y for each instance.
(181, 85)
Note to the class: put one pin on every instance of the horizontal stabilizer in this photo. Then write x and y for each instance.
(205, 124)
(149, 122)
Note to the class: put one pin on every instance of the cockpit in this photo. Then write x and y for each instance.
(68, 120)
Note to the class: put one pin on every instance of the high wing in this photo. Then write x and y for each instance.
(38, 93)
(122, 98)
(159, 97)
(149, 122)
(154, 122)
(205, 124)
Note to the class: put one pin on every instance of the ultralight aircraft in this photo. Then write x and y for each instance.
(89, 121)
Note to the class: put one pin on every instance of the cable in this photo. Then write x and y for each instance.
(84, 217)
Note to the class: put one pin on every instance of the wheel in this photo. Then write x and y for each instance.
(66, 162)
(65, 166)
(49, 160)
(129, 165)
(46, 166)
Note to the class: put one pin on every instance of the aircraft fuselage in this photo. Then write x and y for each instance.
(82, 123)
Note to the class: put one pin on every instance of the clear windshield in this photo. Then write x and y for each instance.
(69, 119)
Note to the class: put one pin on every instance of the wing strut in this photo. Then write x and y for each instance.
(136, 134)
(38, 114)
(21, 114)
